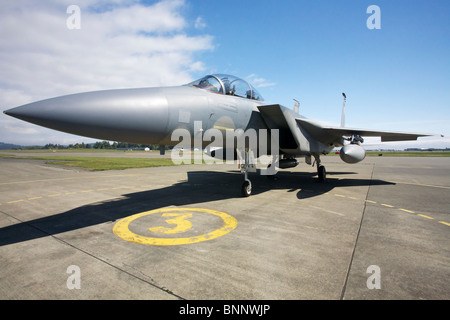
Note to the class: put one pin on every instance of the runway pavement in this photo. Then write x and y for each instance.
(379, 229)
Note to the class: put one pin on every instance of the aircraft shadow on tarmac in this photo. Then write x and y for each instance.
(201, 186)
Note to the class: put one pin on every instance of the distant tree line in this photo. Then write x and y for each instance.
(97, 145)
(123, 145)
(70, 146)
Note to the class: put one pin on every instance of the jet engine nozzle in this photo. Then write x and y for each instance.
(352, 153)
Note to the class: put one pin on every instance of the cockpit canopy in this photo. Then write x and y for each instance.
(227, 84)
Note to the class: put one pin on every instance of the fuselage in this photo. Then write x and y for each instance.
(151, 115)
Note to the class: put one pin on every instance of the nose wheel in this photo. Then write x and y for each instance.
(246, 188)
(246, 167)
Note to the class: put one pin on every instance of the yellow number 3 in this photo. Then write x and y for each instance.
(178, 217)
(179, 220)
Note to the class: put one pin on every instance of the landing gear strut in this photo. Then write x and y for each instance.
(246, 167)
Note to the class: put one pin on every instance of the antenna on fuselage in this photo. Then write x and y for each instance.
(296, 106)
(343, 111)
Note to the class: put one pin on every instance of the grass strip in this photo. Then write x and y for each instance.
(107, 163)
(102, 163)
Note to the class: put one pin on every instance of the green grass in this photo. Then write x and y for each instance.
(101, 163)
(121, 163)
(56, 151)
(107, 163)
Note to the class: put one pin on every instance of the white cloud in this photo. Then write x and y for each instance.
(259, 82)
(121, 44)
(199, 23)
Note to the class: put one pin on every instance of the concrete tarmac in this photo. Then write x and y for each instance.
(379, 229)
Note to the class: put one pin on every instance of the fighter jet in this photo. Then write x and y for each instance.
(217, 103)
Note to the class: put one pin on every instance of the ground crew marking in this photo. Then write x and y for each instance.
(178, 217)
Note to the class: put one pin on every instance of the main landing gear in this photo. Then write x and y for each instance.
(321, 171)
(249, 166)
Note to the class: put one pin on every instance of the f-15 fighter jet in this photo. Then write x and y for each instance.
(214, 105)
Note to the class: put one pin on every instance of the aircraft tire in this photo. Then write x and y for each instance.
(246, 189)
(322, 173)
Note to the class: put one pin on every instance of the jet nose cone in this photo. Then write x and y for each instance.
(21, 112)
(10, 112)
(127, 115)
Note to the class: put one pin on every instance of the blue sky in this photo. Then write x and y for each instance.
(395, 78)
(314, 50)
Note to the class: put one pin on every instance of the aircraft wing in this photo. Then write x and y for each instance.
(291, 126)
(327, 134)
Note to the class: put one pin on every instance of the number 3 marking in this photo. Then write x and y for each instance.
(182, 224)
(121, 228)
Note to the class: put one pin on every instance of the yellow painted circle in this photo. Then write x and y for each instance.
(121, 228)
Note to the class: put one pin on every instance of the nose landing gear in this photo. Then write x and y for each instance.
(246, 167)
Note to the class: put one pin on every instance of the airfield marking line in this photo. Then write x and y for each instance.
(424, 216)
(35, 198)
(15, 201)
(131, 187)
(385, 205)
(408, 211)
(64, 179)
(421, 184)
(71, 193)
